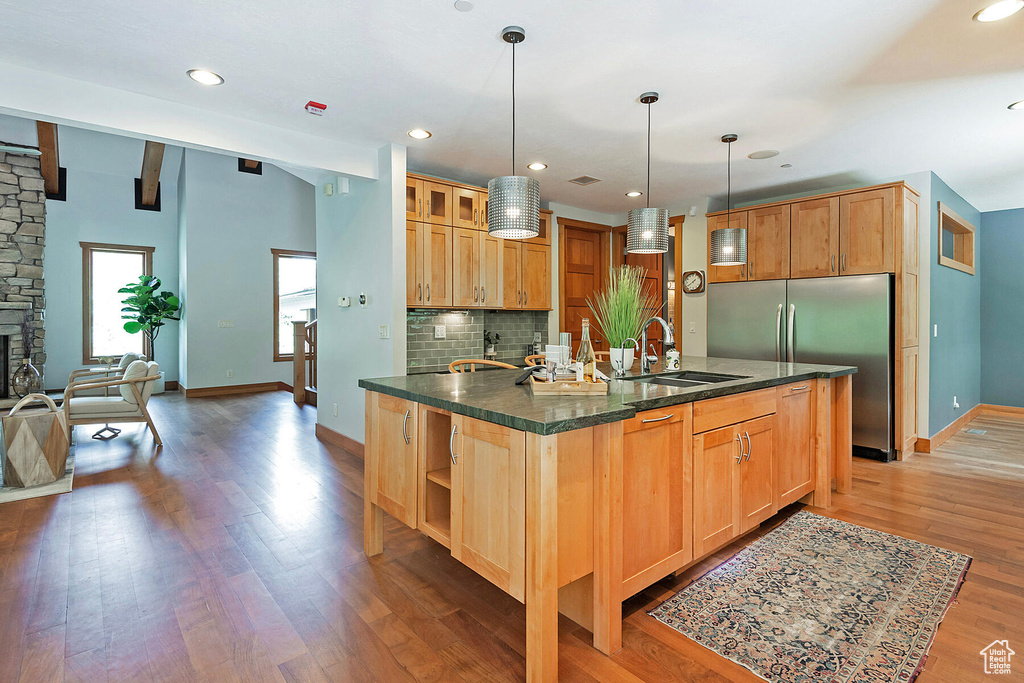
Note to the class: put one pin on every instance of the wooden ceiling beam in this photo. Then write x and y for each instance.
(152, 159)
(49, 160)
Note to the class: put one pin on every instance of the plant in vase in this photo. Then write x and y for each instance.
(620, 310)
(26, 379)
(489, 342)
(147, 309)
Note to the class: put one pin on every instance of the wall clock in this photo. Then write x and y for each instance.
(693, 281)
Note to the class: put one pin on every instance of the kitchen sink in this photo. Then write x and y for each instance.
(687, 378)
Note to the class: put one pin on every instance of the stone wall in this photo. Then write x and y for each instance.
(22, 235)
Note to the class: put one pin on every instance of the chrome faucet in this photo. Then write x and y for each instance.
(645, 360)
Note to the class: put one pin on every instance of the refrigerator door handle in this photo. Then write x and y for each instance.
(789, 333)
(778, 335)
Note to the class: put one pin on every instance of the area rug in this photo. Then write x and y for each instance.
(63, 485)
(817, 599)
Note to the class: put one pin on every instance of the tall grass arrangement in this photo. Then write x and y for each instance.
(622, 307)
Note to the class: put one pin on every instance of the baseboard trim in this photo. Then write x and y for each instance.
(1001, 411)
(334, 438)
(171, 385)
(929, 445)
(234, 389)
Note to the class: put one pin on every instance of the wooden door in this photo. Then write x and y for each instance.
(715, 489)
(466, 208)
(756, 484)
(492, 268)
(654, 279)
(511, 274)
(866, 233)
(738, 219)
(438, 203)
(814, 238)
(768, 248)
(391, 462)
(413, 264)
(536, 277)
(794, 442)
(414, 199)
(465, 267)
(489, 502)
(657, 517)
(585, 274)
(437, 265)
(481, 201)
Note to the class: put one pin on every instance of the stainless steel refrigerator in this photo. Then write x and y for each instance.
(832, 320)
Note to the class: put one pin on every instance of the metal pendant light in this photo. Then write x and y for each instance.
(513, 201)
(647, 229)
(728, 245)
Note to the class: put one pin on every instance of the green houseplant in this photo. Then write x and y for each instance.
(147, 308)
(620, 310)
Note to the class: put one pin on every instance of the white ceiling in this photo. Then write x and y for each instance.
(846, 89)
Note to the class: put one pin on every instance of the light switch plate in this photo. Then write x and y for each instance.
(693, 327)
(385, 332)
(344, 301)
(935, 328)
(439, 332)
(225, 323)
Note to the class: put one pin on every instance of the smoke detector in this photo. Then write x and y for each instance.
(585, 180)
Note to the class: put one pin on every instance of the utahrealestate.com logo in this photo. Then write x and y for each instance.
(997, 657)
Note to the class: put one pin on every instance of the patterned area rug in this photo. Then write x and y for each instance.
(818, 599)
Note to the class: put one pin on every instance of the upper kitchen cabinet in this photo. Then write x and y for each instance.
(738, 219)
(428, 265)
(438, 204)
(414, 199)
(413, 264)
(544, 230)
(768, 243)
(467, 208)
(492, 268)
(814, 238)
(866, 232)
(466, 245)
(536, 278)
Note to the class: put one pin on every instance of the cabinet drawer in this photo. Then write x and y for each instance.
(728, 410)
(654, 418)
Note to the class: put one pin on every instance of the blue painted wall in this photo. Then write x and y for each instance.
(1002, 308)
(955, 367)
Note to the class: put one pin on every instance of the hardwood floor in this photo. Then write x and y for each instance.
(235, 555)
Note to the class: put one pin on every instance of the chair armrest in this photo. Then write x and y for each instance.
(85, 386)
(95, 376)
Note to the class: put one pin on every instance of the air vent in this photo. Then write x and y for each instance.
(976, 432)
(585, 180)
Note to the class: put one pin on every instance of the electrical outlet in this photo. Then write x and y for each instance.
(693, 327)
(335, 410)
(385, 332)
(440, 332)
(225, 323)
(231, 373)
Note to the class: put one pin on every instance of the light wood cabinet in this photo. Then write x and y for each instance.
(492, 269)
(907, 379)
(511, 274)
(866, 234)
(536, 276)
(768, 245)
(413, 264)
(435, 474)
(814, 238)
(390, 456)
(429, 261)
(488, 478)
(657, 517)
(467, 208)
(466, 247)
(438, 203)
(414, 199)
(794, 442)
(755, 474)
(738, 219)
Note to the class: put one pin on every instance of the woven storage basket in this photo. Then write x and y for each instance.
(33, 443)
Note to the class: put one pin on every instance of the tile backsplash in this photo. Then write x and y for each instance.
(464, 336)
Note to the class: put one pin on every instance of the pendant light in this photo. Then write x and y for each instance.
(513, 201)
(647, 229)
(728, 245)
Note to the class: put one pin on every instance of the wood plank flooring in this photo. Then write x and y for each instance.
(235, 555)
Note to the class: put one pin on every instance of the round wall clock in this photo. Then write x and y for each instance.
(693, 281)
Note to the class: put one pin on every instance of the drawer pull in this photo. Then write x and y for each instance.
(451, 443)
(798, 388)
(656, 419)
(405, 432)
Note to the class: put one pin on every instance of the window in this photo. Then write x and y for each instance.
(294, 297)
(956, 241)
(107, 268)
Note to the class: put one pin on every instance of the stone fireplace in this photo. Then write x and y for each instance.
(22, 235)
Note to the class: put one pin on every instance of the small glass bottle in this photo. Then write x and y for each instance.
(586, 357)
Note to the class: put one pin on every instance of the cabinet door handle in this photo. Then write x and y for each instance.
(519, 297)
(798, 388)
(428, 207)
(476, 293)
(526, 297)
(743, 271)
(428, 291)
(451, 443)
(656, 419)
(833, 263)
(420, 211)
(751, 269)
(405, 433)
(750, 446)
(739, 458)
(420, 297)
(844, 263)
(476, 213)
(483, 294)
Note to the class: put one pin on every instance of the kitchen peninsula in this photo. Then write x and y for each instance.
(572, 504)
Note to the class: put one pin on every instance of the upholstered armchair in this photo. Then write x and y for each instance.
(109, 373)
(128, 404)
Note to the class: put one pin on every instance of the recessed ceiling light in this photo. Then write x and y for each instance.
(1017, 106)
(787, 166)
(205, 77)
(463, 5)
(419, 134)
(764, 154)
(537, 166)
(634, 193)
(999, 10)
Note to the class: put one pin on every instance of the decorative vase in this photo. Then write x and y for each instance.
(621, 359)
(26, 379)
(159, 386)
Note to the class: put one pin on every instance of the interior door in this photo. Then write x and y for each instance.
(511, 274)
(584, 277)
(866, 232)
(413, 264)
(768, 249)
(465, 267)
(536, 276)
(492, 268)
(738, 219)
(715, 489)
(654, 280)
(437, 265)
(489, 502)
(814, 238)
(756, 483)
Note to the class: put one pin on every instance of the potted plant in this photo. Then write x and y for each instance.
(620, 310)
(489, 342)
(147, 308)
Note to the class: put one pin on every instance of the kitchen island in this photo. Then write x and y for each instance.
(573, 504)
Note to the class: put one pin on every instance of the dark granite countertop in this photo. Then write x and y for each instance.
(494, 397)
